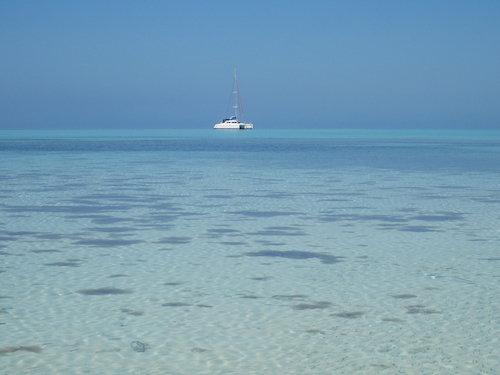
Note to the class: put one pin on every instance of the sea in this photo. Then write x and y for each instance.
(249, 252)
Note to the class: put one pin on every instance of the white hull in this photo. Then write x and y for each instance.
(233, 125)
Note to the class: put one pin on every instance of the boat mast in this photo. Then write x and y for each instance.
(235, 92)
(241, 103)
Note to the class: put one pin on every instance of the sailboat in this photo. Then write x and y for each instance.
(233, 122)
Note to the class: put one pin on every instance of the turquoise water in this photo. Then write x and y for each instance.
(249, 252)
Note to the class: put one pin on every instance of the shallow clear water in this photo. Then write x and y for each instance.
(249, 252)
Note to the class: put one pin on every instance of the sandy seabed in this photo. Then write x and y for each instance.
(275, 271)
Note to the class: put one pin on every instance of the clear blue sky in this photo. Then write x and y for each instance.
(310, 64)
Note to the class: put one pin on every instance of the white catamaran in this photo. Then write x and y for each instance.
(233, 122)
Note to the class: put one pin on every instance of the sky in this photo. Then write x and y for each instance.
(301, 64)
